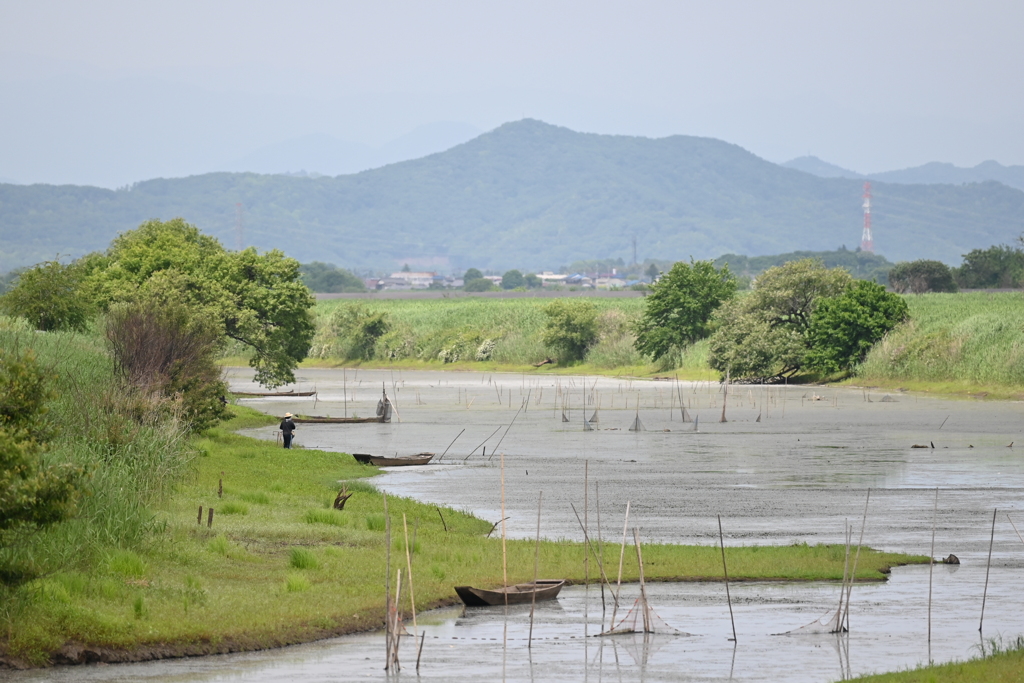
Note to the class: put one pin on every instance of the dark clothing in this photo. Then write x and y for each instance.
(287, 427)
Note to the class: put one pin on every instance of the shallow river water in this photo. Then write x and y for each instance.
(796, 475)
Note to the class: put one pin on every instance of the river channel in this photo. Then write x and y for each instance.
(789, 465)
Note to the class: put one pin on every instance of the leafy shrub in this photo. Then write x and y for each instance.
(302, 558)
(51, 297)
(844, 328)
(327, 277)
(571, 328)
(918, 277)
(360, 328)
(164, 352)
(472, 274)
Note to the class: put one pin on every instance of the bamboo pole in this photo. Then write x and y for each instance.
(622, 554)
(725, 571)
(931, 567)
(988, 567)
(725, 395)
(396, 639)
(600, 549)
(856, 557)
(387, 584)
(408, 566)
(846, 569)
(536, 571)
(643, 585)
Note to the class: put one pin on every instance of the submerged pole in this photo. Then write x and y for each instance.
(988, 566)
(536, 570)
(725, 570)
(931, 567)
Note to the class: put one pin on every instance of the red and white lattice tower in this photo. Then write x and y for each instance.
(867, 243)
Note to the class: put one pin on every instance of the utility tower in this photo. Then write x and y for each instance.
(867, 242)
(239, 239)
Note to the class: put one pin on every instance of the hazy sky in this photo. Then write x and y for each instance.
(111, 92)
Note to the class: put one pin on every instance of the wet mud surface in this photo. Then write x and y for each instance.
(797, 475)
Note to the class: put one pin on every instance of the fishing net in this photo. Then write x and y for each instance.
(593, 418)
(827, 623)
(564, 418)
(587, 427)
(637, 425)
(641, 618)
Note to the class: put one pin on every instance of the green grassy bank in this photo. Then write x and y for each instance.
(280, 566)
(1001, 664)
(970, 343)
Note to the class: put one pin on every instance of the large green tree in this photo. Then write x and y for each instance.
(996, 267)
(764, 334)
(678, 309)
(844, 328)
(256, 299)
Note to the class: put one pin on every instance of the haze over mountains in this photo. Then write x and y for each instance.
(928, 174)
(527, 195)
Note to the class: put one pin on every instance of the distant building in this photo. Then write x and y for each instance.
(609, 282)
(495, 279)
(549, 279)
(402, 280)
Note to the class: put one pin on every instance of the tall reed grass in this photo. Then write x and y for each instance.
(974, 338)
(469, 329)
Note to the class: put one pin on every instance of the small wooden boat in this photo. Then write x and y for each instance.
(521, 593)
(396, 461)
(264, 394)
(319, 419)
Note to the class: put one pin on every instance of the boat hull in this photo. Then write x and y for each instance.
(336, 420)
(398, 461)
(520, 594)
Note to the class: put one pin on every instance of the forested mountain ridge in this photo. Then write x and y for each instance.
(527, 195)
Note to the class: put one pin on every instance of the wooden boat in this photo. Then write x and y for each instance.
(521, 593)
(264, 394)
(396, 461)
(319, 419)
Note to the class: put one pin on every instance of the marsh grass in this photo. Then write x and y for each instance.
(232, 507)
(995, 661)
(964, 341)
(250, 581)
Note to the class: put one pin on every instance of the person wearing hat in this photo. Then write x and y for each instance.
(287, 427)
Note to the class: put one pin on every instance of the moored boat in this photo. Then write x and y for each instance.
(395, 461)
(265, 394)
(319, 419)
(519, 594)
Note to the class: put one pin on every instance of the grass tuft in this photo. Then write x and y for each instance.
(297, 583)
(302, 558)
(321, 516)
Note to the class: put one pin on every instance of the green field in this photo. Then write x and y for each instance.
(953, 343)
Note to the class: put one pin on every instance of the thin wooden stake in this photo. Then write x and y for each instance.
(988, 566)
(725, 571)
(209, 518)
(408, 566)
(618, 583)
(643, 585)
(387, 584)
(931, 566)
(725, 395)
(419, 653)
(199, 519)
(451, 444)
(536, 571)
(856, 558)
(600, 549)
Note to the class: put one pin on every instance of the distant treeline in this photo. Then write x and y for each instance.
(862, 265)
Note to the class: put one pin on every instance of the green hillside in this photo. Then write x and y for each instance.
(527, 195)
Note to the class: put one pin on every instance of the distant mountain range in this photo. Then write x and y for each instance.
(934, 173)
(527, 195)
